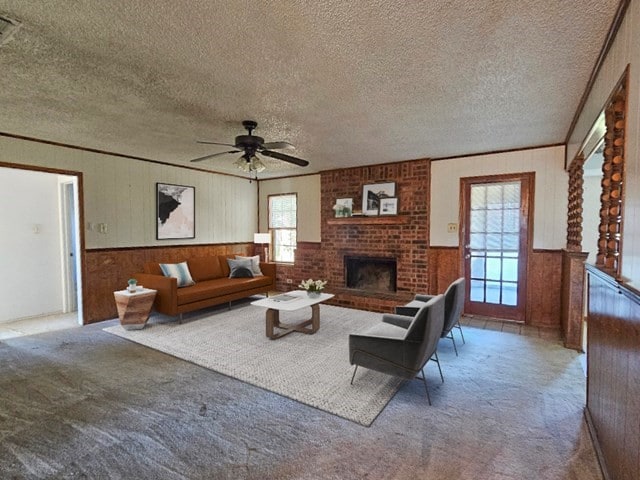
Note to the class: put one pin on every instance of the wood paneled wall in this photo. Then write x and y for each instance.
(107, 270)
(573, 298)
(544, 281)
(613, 381)
(444, 268)
(544, 288)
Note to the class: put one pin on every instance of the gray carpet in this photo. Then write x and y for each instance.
(312, 369)
(86, 404)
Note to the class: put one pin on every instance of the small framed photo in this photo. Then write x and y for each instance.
(373, 193)
(343, 207)
(175, 211)
(389, 206)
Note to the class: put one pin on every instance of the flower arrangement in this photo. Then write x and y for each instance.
(313, 285)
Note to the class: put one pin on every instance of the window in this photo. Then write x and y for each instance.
(282, 226)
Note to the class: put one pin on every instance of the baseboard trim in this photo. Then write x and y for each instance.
(596, 444)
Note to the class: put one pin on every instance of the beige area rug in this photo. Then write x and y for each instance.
(312, 369)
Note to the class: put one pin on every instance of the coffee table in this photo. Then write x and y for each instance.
(290, 302)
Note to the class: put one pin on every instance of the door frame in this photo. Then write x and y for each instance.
(82, 294)
(527, 195)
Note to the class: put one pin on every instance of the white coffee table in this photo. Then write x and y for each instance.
(290, 302)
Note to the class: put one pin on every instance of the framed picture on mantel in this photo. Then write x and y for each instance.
(389, 206)
(373, 194)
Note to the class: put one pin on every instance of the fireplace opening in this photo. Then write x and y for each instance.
(374, 274)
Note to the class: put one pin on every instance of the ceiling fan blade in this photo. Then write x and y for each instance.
(207, 157)
(285, 158)
(214, 143)
(277, 145)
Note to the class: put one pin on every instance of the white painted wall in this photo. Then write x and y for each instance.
(29, 244)
(121, 193)
(550, 203)
(308, 189)
(624, 51)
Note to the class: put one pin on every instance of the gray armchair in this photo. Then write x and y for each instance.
(453, 305)
(401, 345)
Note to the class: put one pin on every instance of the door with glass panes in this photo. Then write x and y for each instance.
(496, 242)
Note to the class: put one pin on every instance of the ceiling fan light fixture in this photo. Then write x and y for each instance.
(250, 164)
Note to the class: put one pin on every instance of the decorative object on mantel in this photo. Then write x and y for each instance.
(373, 193)
(389, 206)
(313, 287)
(263, 239)
(343, 207)
(132, 284)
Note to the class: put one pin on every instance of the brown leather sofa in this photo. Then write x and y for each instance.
(213, 285)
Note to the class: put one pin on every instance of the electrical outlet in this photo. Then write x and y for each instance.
(289, 280)
(452, 228)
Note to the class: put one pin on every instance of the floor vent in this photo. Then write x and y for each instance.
(7, 28)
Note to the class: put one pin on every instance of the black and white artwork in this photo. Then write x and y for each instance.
(175, 211)
(373, 193)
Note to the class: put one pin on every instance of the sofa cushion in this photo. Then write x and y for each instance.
(219, 287)
(205, 268)
(240, 268)
(179, 271)
(224, 266)
(255, 264)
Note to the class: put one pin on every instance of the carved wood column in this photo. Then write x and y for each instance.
(610, 229)
(573, 259)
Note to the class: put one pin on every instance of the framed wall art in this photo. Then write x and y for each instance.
(175, 211)
(389, 206)
(343, 207)
(373, 193)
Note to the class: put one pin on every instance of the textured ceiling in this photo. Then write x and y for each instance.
(348, 83)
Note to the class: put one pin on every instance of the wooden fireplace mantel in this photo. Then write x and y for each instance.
(364, 220)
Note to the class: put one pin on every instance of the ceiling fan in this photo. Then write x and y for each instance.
(251, 145)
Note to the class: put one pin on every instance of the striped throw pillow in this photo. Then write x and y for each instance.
(179, 271)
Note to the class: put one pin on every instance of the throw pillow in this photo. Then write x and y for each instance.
(240, 268)
(255, 264)
(179, 271)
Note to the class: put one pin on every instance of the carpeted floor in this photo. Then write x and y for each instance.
(82, 403)
(312, 369)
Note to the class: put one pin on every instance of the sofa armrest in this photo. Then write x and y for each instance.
(167, 297)
(268, 269)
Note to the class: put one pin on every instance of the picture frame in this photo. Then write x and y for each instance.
(343, 207)
(388, 206)
(372, 194)
(175, 211)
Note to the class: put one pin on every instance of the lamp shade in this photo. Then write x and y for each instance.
(261, 238)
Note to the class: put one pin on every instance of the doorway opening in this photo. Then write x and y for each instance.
(43, 215)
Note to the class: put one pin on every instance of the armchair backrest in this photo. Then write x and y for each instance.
(425, 330)
(453, 304)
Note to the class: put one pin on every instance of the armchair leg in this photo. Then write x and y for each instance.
(459, 327)
(424, 380)
(354, 374)
(455, 349)
(437, 360)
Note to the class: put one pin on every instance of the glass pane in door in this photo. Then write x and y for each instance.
(494, 242)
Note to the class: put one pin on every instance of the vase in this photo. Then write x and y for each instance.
(313, 293)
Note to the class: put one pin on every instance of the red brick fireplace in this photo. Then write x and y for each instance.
(403, 237)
